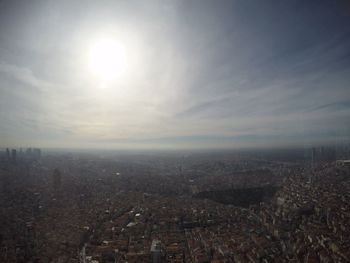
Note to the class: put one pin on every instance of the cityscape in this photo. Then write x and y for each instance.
(174, 131)
(230, 206)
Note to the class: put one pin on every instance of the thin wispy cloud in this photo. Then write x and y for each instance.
(198, 74)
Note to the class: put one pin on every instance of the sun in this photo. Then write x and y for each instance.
(106, 59)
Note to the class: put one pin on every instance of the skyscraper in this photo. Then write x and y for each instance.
(14, 156)
(156, 251)
(8, 154)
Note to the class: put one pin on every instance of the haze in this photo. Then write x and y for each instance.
(195, 74)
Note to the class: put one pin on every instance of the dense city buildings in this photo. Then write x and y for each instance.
(174, 207)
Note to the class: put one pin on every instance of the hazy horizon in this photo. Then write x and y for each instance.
(174, 74)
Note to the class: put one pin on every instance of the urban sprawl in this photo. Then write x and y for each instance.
(174, 207)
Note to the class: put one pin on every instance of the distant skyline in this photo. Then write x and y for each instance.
(195, 74)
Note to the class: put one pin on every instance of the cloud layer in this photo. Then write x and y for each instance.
(200, 74)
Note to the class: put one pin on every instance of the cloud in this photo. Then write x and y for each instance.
(204, 74)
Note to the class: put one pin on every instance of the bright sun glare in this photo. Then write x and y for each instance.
(106, 59)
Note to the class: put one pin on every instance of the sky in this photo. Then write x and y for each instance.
(194, 74)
